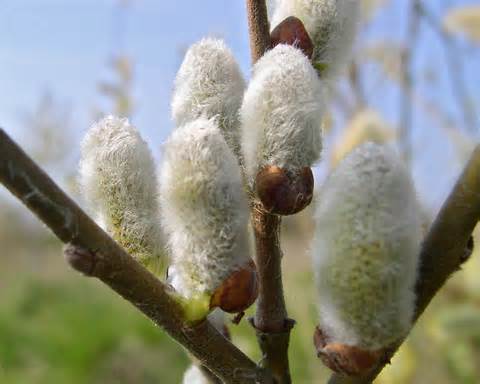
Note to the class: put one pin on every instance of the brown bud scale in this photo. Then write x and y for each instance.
(238, 292)
(291, 31)
(345, 359)
(284, 193)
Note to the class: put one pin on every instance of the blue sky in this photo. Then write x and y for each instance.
(64, 46)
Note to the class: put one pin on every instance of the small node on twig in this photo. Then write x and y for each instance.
(238, 292)
(291, 31)
(80, 259)
(284, 193)
(288, 325)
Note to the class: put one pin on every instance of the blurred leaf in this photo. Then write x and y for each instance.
(462, 143)
(464, 20)
(366, 125)
(47, 128)
(371, 7)
(388, 55)
(119, 91)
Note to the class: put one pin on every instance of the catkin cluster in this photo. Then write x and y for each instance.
(263, 138)
(204, 209)
(282, 113)
(209, 84)
(365, 251)
(118, 180)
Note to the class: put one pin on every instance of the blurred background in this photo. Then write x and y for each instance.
(413, 83)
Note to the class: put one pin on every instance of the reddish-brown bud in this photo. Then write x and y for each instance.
(238, 292)
(344, 359)
(291, 31)
(283, 193)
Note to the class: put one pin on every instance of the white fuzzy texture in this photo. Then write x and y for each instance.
(204, 209)
(117, 178)
(282, 112)
(209, 84)
(331, 24)
(366, 248)
(194, 375)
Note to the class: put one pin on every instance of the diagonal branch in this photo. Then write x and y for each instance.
(94, 253)
(444, 250)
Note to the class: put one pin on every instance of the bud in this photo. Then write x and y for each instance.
(331, 24)
(281, 119)
(282, 194)
(205, 216)
(117, 178)
(291, 31)
(209, 84)
(366, 255)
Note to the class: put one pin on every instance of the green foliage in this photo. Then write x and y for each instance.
(69, 330)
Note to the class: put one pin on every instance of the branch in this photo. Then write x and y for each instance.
(271, 322)
(455, 68)
(444, 250)
(406, 101)
(94, 253)
(258, 28)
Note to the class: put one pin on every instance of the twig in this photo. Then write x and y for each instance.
(271, 321)
(258, 28)
(443, 250)
(406, 101)
(356, 85)
(455, 69)
(94, 253)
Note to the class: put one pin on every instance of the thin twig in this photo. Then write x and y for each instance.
(258, 28)
(271, 321)
(406, 101)
(96, 254)
(455, 69)
(356, 85)
(443, 250)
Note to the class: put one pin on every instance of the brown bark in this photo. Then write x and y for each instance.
(258, 28)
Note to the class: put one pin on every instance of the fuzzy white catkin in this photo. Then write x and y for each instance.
(331, 24)
(194, 375)
(366, 249)
(282, 112)
(118, 180)
(204, 209)
(209, 84)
